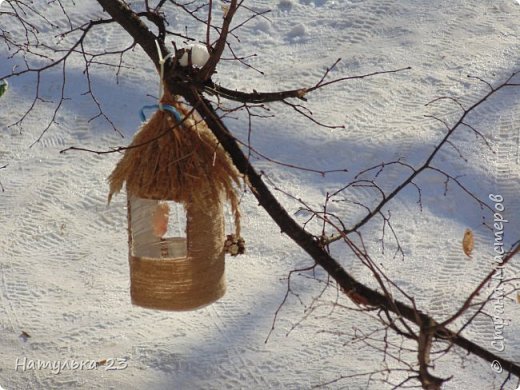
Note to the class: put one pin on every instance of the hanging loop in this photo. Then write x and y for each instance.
(162, 61)
(162, 107)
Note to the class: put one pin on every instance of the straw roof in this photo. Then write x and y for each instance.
(180, 162)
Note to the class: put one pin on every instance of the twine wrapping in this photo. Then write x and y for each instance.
(181, 162)
(193, 275)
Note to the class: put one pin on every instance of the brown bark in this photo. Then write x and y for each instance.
(131, 23)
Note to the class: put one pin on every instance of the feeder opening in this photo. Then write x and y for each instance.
(157, 228)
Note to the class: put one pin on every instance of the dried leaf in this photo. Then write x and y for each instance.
(358, 298)
(301, 92)
(3, 87)
(24, 336)
(518, 297)
(101, 362)
(468, 242)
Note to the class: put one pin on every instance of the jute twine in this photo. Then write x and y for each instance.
(184, 282)
(182, 163)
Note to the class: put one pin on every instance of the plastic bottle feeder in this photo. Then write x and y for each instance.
(176, 171)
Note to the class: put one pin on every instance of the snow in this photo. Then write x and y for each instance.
(64, 268)
(199, 55)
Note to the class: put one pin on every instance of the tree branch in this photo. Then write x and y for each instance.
(427, 163)
(209, 67)
(129, 20)
(308, 243)
(267, 97)
(191, 92)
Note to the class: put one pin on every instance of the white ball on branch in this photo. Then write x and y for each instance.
(199, 55)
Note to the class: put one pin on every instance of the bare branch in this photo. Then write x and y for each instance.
(307, 242)
(476, 291)
(209, 68)
(130, 21)
(402, 317)
(427, 162)
(267, 97)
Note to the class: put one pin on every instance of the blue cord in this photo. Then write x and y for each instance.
(160, 107)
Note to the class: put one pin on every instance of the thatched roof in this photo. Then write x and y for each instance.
(180, 162)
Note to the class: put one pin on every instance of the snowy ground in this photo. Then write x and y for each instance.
(63, 252)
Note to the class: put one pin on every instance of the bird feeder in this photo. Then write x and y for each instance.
(175, 163)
